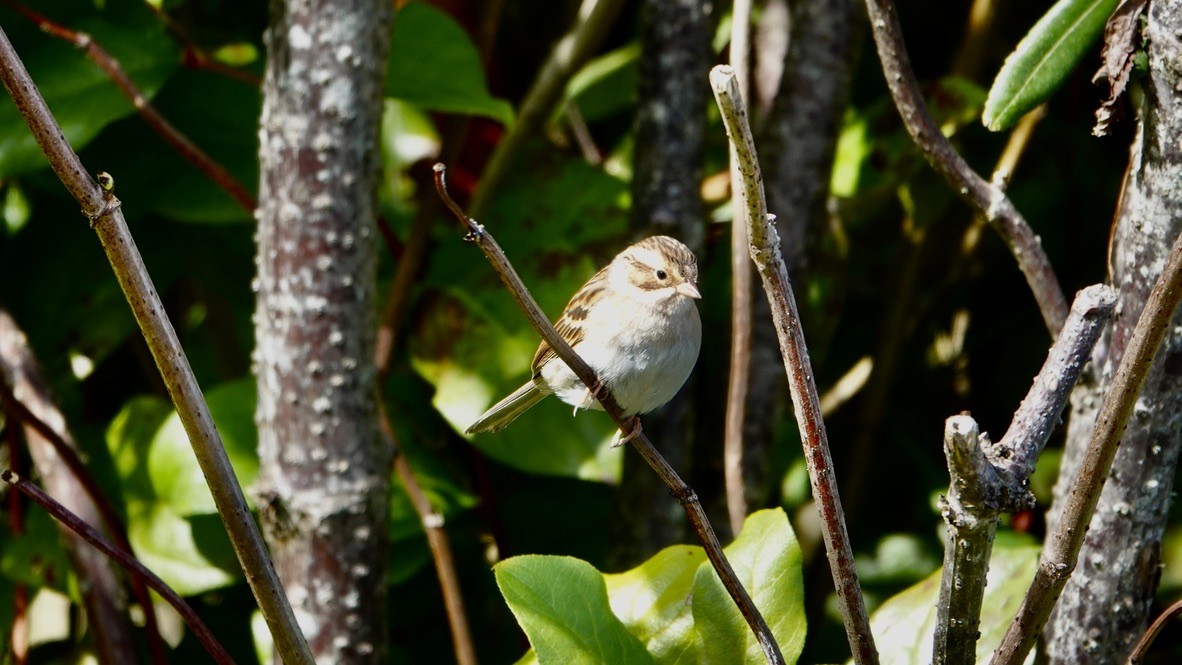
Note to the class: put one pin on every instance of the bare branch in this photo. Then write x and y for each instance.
(627, 424)
(1061, 551)
(988, 479)
(987, 199)
(740, 373)
(125, 559)
(102, 208)
(765, 252)
(1138, 655)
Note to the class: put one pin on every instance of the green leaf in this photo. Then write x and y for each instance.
(36, 558)
(193, 555)
(81, 95)
(903, 626)
(1044, 58)
(766, 559)
(653, 601)
(152, 454)
(175, 475)
(608, 84)
(561, 604)
(434, 65)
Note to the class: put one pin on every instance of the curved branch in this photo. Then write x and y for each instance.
(125, 559)
(1061, 551)
(986, 198)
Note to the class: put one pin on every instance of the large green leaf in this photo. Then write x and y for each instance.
(192, 555)
(175, 475)
(1044, 58)
(674, 603)
(152, 453)
(903, 626)
(434, 65)
(653, 601)
(562, 605)
(80, 95)
(766, 559)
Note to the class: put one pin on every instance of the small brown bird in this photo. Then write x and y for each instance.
(634, 322)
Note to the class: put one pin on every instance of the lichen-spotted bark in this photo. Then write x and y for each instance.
(323, 483)
(1104, 607)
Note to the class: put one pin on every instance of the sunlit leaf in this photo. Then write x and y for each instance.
(653, 601)
(766, 559)
(1044, 58)
(192, 555)
(172, 466)
(903, 626)
(561, 604)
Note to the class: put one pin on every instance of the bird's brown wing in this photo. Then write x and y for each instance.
(570, 324)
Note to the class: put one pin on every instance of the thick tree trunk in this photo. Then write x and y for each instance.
(666, 199)
(1105, 606)
(324, 479)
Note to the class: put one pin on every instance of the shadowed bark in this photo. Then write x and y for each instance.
(323, 484)
(1105, 605)
(666, 198)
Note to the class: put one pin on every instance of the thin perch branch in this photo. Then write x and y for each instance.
(125, 559)
(627, 424)
(740, 373)
(989, 479)
(1061, 551)
(765, 252)
(102, 209)
(1138, 655)
(986, 198)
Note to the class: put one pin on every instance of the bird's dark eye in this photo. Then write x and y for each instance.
(662, 275)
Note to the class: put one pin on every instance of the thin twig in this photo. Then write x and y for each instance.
(627, 424)
(125, 559)
(765, 252)
(438, 542)
(1138, 655)
(575, 48)
(989, 479)
(19, 641)
(102, 209)
(740, 372)
(106, 510)
(986, 198)
(1061, 551)
(171, 135)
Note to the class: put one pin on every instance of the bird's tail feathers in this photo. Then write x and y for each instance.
(507, 410)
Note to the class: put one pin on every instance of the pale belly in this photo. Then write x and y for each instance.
(643, 369)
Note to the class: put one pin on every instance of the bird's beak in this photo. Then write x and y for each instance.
(689, 290)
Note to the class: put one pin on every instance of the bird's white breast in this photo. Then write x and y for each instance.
(642, 353)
